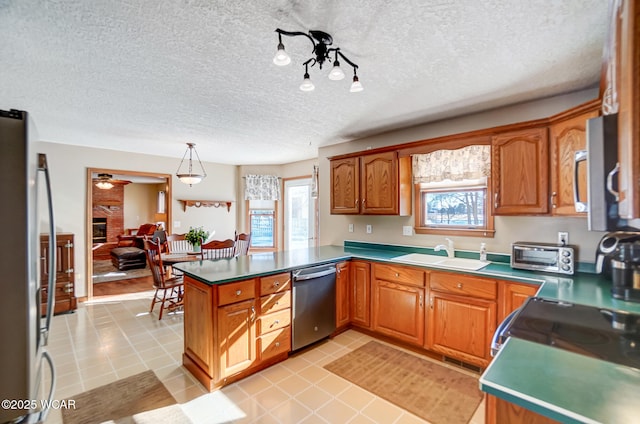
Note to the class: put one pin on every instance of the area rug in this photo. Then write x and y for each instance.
(433, 392)
(103, 271)
(136, 399)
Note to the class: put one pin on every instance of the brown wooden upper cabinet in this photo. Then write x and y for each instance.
(374, 184)
(568, 164)
(520, 172)
(626, 67)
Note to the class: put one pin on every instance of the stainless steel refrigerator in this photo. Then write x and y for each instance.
(24, 361)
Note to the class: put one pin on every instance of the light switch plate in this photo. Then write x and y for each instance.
(176, 224)
(351, 228)
(369, 229)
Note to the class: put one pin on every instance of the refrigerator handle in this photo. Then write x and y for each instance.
(44, 331)
(45, 411)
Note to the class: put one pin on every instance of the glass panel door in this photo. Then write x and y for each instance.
(299, 214)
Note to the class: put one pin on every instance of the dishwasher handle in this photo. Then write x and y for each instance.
(311, 273)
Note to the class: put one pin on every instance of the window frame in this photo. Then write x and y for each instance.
(275, 226)
(489, 229)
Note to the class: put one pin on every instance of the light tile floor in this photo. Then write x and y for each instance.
(115, 337)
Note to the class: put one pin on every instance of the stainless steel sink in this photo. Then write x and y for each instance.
(441, 262)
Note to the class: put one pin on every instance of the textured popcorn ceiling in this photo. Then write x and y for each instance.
(150, 75)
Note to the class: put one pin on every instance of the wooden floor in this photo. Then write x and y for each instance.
(131, 285)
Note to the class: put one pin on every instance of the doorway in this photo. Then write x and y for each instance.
(118, 206)
(300, 214)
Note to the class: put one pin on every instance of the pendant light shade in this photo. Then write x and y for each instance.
(190, 177)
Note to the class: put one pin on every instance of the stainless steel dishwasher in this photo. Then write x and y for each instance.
(314, 304)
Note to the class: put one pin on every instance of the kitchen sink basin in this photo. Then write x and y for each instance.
(442, 262)
(419, 258)
(462, 263)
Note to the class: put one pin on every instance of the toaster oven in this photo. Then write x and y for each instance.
(546, 257)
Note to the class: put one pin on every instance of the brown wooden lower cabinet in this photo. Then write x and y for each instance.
(462, 316)
(499, 411)
(65, 299)
(398, 302)
(360, 285)
(233, 330)
(343, 278)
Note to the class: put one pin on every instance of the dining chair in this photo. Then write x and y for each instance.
(178, 243)
(243, 242)
(160, 237)
(169, 290)
(218, 249)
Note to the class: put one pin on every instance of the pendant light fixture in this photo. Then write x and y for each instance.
(322, 52)
(104, 181)
(190, 177)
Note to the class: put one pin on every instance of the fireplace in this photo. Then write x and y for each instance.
(99, 230)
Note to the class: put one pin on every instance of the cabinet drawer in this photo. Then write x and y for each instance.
(275, 283)
(274, 321)
(399, 274)
(274, 343)
(464, 285)
(236, 292)
(275, 302)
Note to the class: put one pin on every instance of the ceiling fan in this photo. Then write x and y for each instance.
(105, 181)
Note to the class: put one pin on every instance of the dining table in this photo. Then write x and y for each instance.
(174, 258)
(170, 259)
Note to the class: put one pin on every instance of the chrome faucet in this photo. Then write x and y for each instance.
(450, 249)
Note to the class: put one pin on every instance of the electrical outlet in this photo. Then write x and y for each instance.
(176, 224)
(369, 229)
(351, 228)
(563, 237)
(407, 230)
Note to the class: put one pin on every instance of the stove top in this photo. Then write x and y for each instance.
(600, 333)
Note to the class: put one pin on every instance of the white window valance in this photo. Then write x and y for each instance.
(467, 163)
(262, 187)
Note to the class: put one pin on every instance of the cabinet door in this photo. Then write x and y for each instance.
(65, 299)
(513, 296)
(198, 325)
(236, 337)
(360, 294)
(345, 186)
(628, 70)
(520, 172)
(567, 138)
(398, 311)
(379, 176)
(342, 294)
(461, 327)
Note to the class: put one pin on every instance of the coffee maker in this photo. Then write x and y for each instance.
(618, 257)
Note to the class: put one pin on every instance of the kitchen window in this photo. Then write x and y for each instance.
(262, 224)
(451, 192)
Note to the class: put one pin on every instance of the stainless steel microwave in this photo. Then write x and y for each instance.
(547, 257)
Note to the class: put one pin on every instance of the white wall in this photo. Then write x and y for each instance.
(388, 229)
(68, 173)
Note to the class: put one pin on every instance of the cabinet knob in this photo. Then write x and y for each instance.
(397, 274)
(238, 292)
(459, 285)
(277, 344)
(276, 284)
(276, 322)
